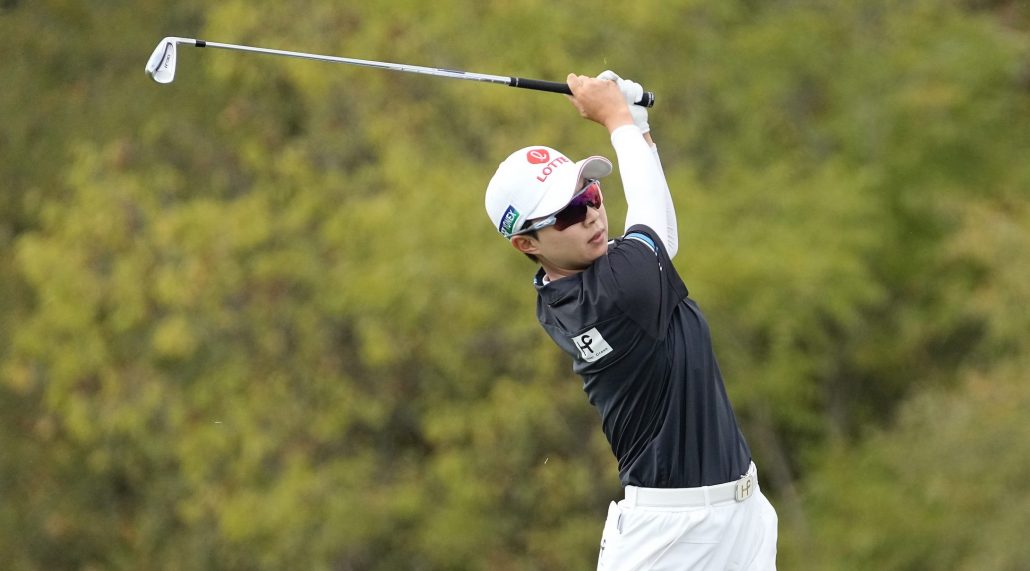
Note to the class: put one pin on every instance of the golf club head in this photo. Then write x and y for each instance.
(161, 65)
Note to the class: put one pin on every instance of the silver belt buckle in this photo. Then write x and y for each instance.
(745, 487)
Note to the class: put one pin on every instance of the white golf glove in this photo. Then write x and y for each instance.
(632, 91)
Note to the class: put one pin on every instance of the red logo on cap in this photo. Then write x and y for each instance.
(538, 156)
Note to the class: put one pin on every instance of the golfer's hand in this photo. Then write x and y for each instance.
(632, 92)
(600, 101)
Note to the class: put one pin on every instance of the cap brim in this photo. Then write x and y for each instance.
(566, 183)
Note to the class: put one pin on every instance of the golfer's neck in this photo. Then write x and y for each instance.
(554, 273)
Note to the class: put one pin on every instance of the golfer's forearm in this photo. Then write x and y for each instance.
(647, 194)
(671, 237)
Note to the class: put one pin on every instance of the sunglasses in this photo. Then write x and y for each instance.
(574, 212)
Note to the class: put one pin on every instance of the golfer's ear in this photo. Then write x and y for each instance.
(525, 244)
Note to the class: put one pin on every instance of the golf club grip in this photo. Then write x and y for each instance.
(647, 100)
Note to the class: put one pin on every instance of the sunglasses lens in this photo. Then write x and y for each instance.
(576, 211)
(590, 196)
(570, 216)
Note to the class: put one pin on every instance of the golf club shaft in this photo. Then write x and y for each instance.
(539, 85)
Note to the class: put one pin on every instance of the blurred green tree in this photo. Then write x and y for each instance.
(256, 319)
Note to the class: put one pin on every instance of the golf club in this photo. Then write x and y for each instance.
(161, 67)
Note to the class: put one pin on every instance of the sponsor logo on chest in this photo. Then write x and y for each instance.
(591, 345)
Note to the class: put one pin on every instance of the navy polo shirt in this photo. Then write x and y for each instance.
(644, 352)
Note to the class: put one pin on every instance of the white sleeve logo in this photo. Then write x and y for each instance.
(591, 345)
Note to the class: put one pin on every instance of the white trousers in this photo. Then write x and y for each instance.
(726, 527)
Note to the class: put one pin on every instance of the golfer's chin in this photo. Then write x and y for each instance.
(585, 259)
(592, 254)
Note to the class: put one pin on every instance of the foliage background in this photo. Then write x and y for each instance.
(256, 319)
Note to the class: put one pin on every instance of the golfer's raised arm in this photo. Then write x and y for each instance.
(647, 194)
(604, 100)
(640, 183)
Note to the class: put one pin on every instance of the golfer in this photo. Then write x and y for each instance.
(640, 344)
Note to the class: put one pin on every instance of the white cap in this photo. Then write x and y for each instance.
(535, 182)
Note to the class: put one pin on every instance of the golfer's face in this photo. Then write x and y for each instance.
(577, 246)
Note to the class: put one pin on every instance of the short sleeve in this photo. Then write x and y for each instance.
(646, 286)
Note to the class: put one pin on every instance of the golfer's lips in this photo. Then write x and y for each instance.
(600, 236)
